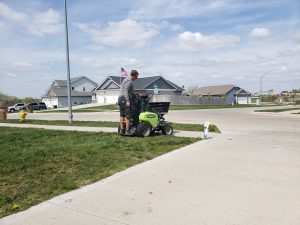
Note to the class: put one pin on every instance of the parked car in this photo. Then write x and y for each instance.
(15, 107)
(36, 106)
(42, 105)
(33, 106)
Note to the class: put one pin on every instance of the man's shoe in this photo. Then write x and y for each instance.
(127, 133)
(121, 132)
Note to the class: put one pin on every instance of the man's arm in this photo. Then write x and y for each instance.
(126, 88)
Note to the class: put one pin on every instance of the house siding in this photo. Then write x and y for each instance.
(108, 91)
(63, 101)
(51, 102)
(160, 83)
(230, 97)
(83, 83)
(107, 96)
(105, 83)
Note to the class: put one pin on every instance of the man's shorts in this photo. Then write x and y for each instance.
(124, 110)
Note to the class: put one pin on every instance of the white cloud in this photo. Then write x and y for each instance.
(176, 27)
(166, 9)
(9, 13)
(260, 32)
(125, 33)
(109, 62)
(9, 74)
(291, 52)
(296, 37)
(45, 23)
(189, 41)
(153, 9)
(22, 64)
(2, 25)
(163, 25)
(201, 59)
(283, 68)
(115, 62)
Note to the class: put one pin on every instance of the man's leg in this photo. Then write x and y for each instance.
(127, 120)
(122, 130)
(127, 124)
(122, 123)
(121, 103)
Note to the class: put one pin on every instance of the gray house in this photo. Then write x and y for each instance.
(231, 93)
(108, 91)
(57, 93)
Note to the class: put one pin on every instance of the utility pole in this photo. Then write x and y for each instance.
(261, 78)
(68, 65)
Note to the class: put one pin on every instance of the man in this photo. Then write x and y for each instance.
(125, 101)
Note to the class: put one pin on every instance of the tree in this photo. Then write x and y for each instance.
(7, 100)
(296, 90)
(193, 90)
(29, 99)
(209, 96)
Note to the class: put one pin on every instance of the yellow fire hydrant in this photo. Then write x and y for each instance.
(23, 115)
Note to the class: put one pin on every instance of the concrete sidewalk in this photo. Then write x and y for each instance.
(177, 133)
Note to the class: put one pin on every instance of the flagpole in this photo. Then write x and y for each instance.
(68, 65)
(120, 79)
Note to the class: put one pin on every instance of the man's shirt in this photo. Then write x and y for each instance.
(126, 88)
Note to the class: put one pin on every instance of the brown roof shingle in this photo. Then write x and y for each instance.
(215, 90)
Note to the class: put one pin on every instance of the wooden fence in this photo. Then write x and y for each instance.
(189, 100)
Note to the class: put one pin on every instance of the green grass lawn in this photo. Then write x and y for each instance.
(278, 110)
(38, 164)
(176, 126)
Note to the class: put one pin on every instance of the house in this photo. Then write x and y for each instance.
(232, 94)
(81, 91)
(108, 91)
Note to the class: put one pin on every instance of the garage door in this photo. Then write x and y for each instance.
(242, 100)
(112, 99)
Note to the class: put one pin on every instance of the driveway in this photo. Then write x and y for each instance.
(248, 175)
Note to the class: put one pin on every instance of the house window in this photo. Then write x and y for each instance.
(83, 88)
(72, 88)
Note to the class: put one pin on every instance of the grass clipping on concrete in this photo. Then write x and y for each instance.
(176, 126)
(38, 164)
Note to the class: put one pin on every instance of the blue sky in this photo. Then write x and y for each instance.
(191, 42)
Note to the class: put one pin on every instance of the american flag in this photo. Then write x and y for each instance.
(123, 72)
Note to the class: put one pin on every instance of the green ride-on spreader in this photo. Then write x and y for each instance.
(147, 118)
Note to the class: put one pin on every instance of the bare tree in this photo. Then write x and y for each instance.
(192, 90)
